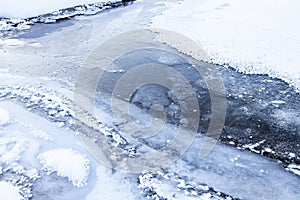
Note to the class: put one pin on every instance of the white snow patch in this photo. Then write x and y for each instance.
(252, 147)
(11, 149)
(12, 42)
(66, 163)
(4, 117)
(33, 174)
(268, 150)
(292, 155)
(278, 102)
(294, 168)
(206, 196)
(9, 192)
(253, 36)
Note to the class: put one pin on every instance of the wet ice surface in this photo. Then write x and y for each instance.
(37, 79)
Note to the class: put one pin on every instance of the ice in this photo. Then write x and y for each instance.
(4, 117)
(287, 117)
(237, 173)
(31, 8)
(9, 192)
(20, 166)
(111, 186)
(257, 37)
(67, 163)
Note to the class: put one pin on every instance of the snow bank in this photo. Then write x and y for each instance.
(252, 36)
(31, 8)
(4, 117)
(66, 163)
(9, 192)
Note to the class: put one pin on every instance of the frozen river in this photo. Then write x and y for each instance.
(41, 156)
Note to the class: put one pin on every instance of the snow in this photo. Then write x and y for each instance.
(268, 150)
(292, 155)
(11, 149)
(12, 42)
(294, 168)
(67, 163)
(32, 8)
(163, 184)
(35, 132)
(278, 102)
(8, 191)
(4, 117)
(253, 36)
(252, 147)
